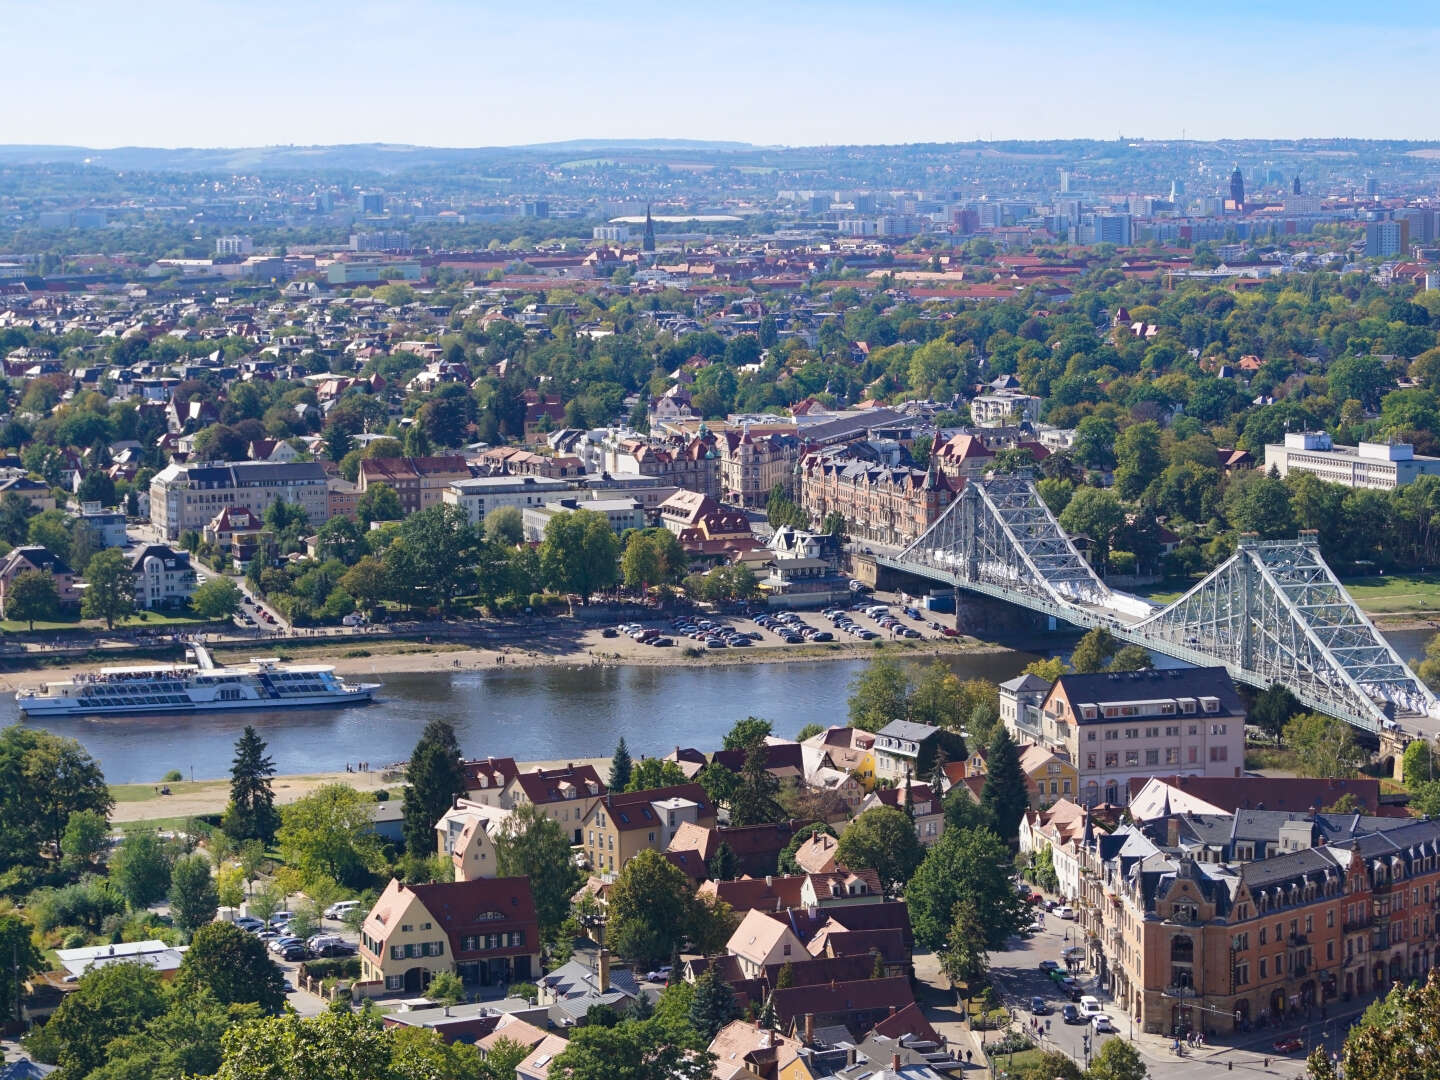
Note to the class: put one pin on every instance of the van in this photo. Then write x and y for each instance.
(339, 909)
(1090, 1005)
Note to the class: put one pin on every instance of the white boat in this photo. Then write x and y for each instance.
(263, 683)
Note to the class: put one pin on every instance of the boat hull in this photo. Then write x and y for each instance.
(37, 707)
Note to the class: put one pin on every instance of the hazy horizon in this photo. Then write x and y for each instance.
(448, 74)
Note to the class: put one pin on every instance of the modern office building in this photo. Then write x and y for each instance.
(1382, 466)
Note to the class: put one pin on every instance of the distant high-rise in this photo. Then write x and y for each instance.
(1372, 185)
(1295, 186)
(372, 202)
(1237, 189)
(647, 239)
(1177, 190)
(535, 208)
(1064, 180)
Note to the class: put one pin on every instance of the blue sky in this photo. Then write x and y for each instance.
(452, 73)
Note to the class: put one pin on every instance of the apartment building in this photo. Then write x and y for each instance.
(1383, 466)
(467, 835)
(886, 504)
(419, 482)
(479, 495)
(164, 577)
(186, 497)
(1118, 726)
(619, 826)
(751, 465)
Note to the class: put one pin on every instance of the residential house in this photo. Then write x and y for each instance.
(487, 779)
(35, 492)
(164, 577)
(1020, 702)
(419, 482)
(816, 855)
(904, 749)
(845, 749)
(756, 848)
(236, 532)
(916, 799)
(187, 497)
(620, 825)
(485, 930)
(37, 557)
(857, 1006)
(563, 794)
(536, 1065)
(467, 835)
(761, 941)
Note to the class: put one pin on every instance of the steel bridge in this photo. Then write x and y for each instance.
(1273, 612)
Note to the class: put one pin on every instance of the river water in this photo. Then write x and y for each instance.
(530, 714)
(538, 713)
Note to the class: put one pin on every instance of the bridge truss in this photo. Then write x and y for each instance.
(1272, 613)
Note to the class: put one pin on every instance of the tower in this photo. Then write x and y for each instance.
(647, 241)
(1237, 189)
(1295, 187)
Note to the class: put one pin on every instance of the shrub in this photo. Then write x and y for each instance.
(382, 795)
(173, 776)
(339, 967)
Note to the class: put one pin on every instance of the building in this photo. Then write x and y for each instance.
(1116, 726)
(752, 465)
(380, 240)
(614, 234)
(467, 834)
(479, 495)
(564, 795)
(919, 801)
(164, 577)
(35, 492)
(419, 482)
(485, 930)
(760, 942)
(156, 955)
(107, 526)
(186, 497)
(906, 750)
(1020, 702)
(621, 514)
(891, 505)
(620, 825)
(1384, 239)
(1383, 466)
(1237, 190)
(234, 245)
(236, 532)
(36, 557)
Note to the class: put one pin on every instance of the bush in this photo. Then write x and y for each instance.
(356, 654)
(173, 776)
(74, 940)
(692, 652)
(87, 905)
(1014, 1042)
(339, 967)
(382, 795)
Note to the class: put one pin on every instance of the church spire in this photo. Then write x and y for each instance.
(647, 241)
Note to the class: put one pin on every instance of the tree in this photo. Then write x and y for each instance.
(621, 766)
(1094, 650)
(505, 525)
(882, 839)
(32, 595)
(502, 1058)
(1049, 670)
(1272, 710)
(379, 503)
(110, 594)
(1139, 459)
(754, 799)
(446, 989)
(713, 1005)
(434, 779)
(21, 959)
(745, 732)
(723, 865)
(579, 552)
(650, 909)
(879, 694)
(86, 837)
(140, 868)
(233, 966)
(1119, 1060)
(251, 814)
(194, 898)
(631, 1050)
(110, 1001)
(1325, 746)
(1096, 514)
(1004, 795)
(532, 844)
(971, 866)
(216, 598)
(1392, 1038)
(368, 582)
(44, 778)
(647, 774)
(966, 959)
(640, 562)
(329, 834)
(938, 698)
(1420, 763)
(1131, 658)
(434, 556)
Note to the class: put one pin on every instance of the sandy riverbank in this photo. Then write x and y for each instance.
(143, 802)
(572, 647)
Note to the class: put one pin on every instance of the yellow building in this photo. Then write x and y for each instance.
(621, 825)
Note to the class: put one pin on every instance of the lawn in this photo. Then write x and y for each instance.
(148, 619)
(125, 793)
(1388, 594)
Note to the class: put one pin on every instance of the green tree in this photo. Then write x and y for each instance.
(233, 966)
(1049, 669)
(251, 814)
(532, 844)
(194, 897)
(631, 1050)
(140, 868)
(1139, 459)
(1097, 514)
(22, 959)
(647, 774)
(713, 1004)
(368, 582)
(966, 959)
(502, 1058)
(216, 598)
(434, 779)
(970, 866)
(505, 525)
(434, 557)
(938, 698)
(32, 595)
(745, 732)
(1094, 650)
(44, 778)
(1272, 709)
(1420, 762)
(754, 800)
(1119, 1060)
(650, 909)
(1325, 746)
(446, 989)
(329, 834)
(882, 839)
(109, 1002)
(621, 765)
(640, 562)
(110, 594)
(1004, 795)
(880, 694)
(86, 838)
(723, 865)
(579, 552)
(378, 502)
(1131, 658)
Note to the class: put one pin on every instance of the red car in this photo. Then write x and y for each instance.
(1287, 1046)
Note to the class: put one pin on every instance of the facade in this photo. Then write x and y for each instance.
(164, 577)
(107, 526)
(479, 495)
(891, 505)
(1020, 702)
(185, 497)
(619, 826)
(467, 834)
(751, 465)
(485, 930)
(1118, 726)
(1383, 466)
(621, 514)
(904, 749)
(1387, 238)
(36, 557)
(419, 482)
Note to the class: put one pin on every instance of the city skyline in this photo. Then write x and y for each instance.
(443, 74)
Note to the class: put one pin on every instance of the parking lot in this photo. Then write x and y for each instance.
(863, 618)
(331, 940)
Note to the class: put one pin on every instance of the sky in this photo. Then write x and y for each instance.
(175, 73)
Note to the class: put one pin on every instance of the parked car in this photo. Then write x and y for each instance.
(294, 953)
(281, 917)
(280, 944)
(1071, 1015)
(1065, 911)
(1039, 1007)
(1049, 965)
(660, 974)
(338, 909)
(338, 948)
(247, 922)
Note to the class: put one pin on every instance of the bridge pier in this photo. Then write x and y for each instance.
(1392, 748)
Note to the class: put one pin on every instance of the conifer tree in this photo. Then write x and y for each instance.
(434, 779)
(1004, 794)
(252, 814)
(621, 765)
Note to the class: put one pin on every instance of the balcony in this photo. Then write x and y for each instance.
(1364, 922)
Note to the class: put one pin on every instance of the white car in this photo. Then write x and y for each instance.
(1102, 1023)
(1090, 1005)
(339, 909)
(1065, 912)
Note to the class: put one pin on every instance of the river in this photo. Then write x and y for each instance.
(530, 714)
(538, 713)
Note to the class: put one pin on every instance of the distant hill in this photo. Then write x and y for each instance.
(376, 157)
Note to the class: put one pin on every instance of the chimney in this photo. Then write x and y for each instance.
(895, 1063)
(769, 881)
(604, 972)
(892, 1010)
(809, 1029)
(1172, 831)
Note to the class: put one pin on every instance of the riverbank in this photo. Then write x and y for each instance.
(587, 648)
(194, 798)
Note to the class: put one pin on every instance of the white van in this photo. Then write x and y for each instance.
(339, 909)
(1090, 1005)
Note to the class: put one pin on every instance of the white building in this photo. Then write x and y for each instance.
(482, 494)
(184, 497)
(615, 234)
(234, 245)
(1370, 465)
(622, 514)
(164, 577)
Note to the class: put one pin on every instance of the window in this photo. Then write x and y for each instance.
(1172, 755)
(1262, 967)
(397, 952)
(1152, 732)
(406, 928)
(1219, 753)
(1090, 761)
(1132, 733)
(1152, 757)
(1242, 974)
(1065, 786)
(1262, 935)
(1194, 755)
(1132, 757)
(1090, 736)
(1112, 761)
(394, 982)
